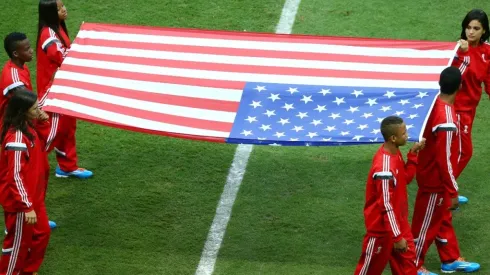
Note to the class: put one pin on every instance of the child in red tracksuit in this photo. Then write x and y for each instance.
(388, 237)
(473, 60)
(15, 73)
(22, 185)
(438, 189)
(52, 46)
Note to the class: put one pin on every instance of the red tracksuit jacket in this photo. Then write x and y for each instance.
(22, 184)
(50, 55)
(475, 67)
(435, 169)
(13, 77)
(386, 207)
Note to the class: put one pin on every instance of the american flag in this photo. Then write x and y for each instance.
(251, 88)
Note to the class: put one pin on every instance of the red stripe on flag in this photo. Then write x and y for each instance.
(269, 37)
(263, 53)
(256, 69)
(200, 103)
(100, 121)
(224, 84)
(149, 115)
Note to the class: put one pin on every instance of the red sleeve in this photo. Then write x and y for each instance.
(486, 81)
(385, 185)
(17, 158)
(410, 167)
(444, 131)
(47, 131)
(462, 61)
(10, 80)
(51, 45)
(43, 130)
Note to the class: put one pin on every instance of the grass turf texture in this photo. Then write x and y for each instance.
(299, 211)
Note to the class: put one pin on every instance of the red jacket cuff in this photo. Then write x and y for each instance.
(397, 239)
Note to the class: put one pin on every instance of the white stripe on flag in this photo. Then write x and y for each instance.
(175, 110)
(258, 61)
(263, 45)
(127, 120)
(245, 77)
(155, 87)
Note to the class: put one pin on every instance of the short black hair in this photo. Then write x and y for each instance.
(11, 40)
(480, 16)
(450, 80)
(387, 126)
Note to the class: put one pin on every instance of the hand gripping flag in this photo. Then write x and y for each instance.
(247, 87)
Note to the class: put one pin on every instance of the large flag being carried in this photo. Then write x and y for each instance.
(247, 87)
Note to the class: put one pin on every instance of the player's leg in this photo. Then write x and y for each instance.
(426, 221)
(375, 255)
(16, 243)
(448, 248)
(66, 151)
(466, 151)
(40, 240)
(464, 145)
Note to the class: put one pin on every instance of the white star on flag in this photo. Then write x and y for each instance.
(293, 90)
(353, 109)
(324, 92)
(306, 99)
(339, 100)
(260, 88)
(404, 101)
(246, 133)
(288, 106)
(330, 128)
(279, 134)
(251, 119)
(283, 121)
(274, 97)
(422, 94)
(334, 116)
(357, 137)
(270, 113)
(256, 104)
(362, 126)
(316, 122)
(385, 108)
(265, 127)
(320, 108)
(297, 128)
(357, 93)
(367, 115)
(389, 94)
(312, 135)
(371, 101)
(348, 121)
(302, 115)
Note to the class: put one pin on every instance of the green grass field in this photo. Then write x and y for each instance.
(299, 210)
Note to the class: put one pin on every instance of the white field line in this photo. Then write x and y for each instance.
(237, 170)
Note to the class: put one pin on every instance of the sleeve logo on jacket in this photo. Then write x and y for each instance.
(440, 201)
